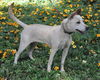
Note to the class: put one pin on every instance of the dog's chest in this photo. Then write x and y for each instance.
(65, 41)
(63, 44)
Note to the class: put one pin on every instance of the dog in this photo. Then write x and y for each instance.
(58, 37)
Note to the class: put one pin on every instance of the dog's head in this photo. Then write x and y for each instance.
(74, 23)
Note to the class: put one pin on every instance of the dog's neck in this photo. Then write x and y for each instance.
(65, 31)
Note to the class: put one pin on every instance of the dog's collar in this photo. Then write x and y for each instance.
(66, 31)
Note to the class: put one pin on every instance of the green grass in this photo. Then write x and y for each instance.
(87, 45)
(27, 69)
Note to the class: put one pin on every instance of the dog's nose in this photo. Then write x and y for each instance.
(87, 28)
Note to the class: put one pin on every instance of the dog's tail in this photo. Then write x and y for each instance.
(14, 18)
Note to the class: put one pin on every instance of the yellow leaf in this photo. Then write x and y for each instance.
(0, 51)
(74, 46)
(98, 64)
(56, 68)
(98, 35)
(71, 5)
(73, 43)
(13, 51)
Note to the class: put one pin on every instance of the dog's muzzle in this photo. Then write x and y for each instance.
(80, 31)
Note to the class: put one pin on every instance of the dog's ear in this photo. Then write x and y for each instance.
(64, 23)
(77, 12)
(11, 3)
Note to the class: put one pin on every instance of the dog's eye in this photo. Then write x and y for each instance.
(78, 22)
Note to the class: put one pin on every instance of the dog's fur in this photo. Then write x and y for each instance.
(58, 37)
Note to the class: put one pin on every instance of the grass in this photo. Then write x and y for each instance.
(82, 62)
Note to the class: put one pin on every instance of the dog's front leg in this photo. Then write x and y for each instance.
(52, 53)
(65, 52)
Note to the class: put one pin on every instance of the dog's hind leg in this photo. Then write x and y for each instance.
(22, 46)
(32, 45)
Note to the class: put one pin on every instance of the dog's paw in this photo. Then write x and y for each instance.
(32, 59)
(14, 65)
(62, 70)
(48, 70)
(15, 62)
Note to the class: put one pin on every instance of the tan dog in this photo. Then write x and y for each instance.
(58, 37)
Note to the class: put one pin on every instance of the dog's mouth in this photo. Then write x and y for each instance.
(80, 31)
